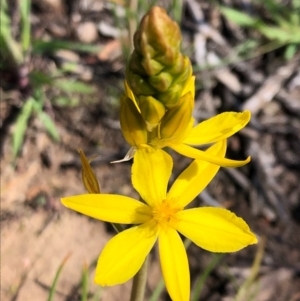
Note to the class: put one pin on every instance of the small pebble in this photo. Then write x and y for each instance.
(87, 32)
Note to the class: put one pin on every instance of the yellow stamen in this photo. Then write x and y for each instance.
(164, 214)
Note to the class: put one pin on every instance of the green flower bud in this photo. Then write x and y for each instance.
(161, 81)
(151, 110)
(171, 97)
(156, 67)
(138, 84)
(158, 36)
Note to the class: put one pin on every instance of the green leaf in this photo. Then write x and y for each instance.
(73, 86)
(49, 125)
(238, 17)
(21, 126)
(39, 46)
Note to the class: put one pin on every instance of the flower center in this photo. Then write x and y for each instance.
(165, 213)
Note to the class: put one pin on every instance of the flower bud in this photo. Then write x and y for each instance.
(156, 67)
(89, 179)
(151, 110)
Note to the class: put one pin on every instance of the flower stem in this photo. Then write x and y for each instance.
(139, 283)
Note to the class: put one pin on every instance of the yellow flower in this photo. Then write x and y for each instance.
(162, 217)
(176, 128)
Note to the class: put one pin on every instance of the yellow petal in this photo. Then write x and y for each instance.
(218, 128)
(156, 141)
(196, 177)
(177, 119)
(194, 153)
(190, 87)
(215, 229)
(124, 254)
(132, 124)
(151, 171)
(174, 265)
(109, 208)
(89, 178)
(130, 94)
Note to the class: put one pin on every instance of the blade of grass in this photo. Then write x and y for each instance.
(284, 33)
(40, 79)
(9, 47)
(295, 16)
(21, 125)
(279, 34)
(49, 125)
(245, 291)
(274, 8)
(25, 6)
(201, 280)
(84, 283)
(73, 86)
(65, 101)
(39, 46)
(132, 21)
(158, 290)
(98, 293)
(55, 280)
(290, 51)
(177, 10)
(238, 17)
(46, 120)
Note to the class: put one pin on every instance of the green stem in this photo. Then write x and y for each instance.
(132, 21)
(139, 283)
